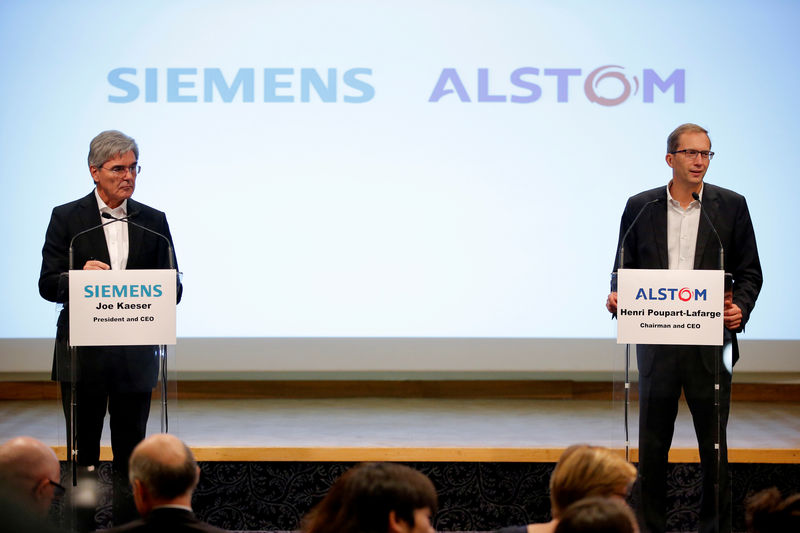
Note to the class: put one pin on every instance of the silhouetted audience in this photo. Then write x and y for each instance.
(164, 473)
(30, 469)
(597, 514)
(768, 512)
(588, 491)
(18, 517)
(583, 471)
(376, 498)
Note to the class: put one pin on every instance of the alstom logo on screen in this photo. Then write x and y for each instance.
(607, 85)
(683, 294)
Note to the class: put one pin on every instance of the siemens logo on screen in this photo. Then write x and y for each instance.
(606, 85)
(189, 85)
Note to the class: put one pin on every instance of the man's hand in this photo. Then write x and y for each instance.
(611, 303)
(732, 314)
(94, 264)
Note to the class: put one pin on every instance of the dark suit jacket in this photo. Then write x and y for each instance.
(167, 520)
(121, 368)
(646, 245)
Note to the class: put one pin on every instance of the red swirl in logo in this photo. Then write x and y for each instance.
(591, 84)
(685, 294)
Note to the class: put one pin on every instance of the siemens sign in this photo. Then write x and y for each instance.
(190, 85)
(122, 291)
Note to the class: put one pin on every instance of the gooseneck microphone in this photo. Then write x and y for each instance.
(128, 218)
(84, 232)
(721, 248)
(621, 252)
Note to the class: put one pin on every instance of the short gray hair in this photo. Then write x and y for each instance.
(109, 144)
(675, 136)
(164, 481)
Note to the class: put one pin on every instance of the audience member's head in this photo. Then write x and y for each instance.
(30, 469)
(597, 514)
(376, 498)
(163, 471)
(768, 512)
(583, 471)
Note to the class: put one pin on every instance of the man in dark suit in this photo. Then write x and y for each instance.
(164, 473)
(673, 233)
(119, 379)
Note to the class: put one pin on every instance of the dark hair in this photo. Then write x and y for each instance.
(768, 512)
(164, 481)
(675, 137)
(360, 501)
(597, 515)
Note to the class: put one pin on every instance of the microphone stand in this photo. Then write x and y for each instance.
(717, 358)
(72, 438)
(621, 264)
(162, 348)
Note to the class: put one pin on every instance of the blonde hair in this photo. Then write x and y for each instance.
(584, 471)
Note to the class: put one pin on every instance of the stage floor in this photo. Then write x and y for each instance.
(513, 430)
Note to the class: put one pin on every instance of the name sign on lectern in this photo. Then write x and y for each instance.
(122, 307)
(670, 306)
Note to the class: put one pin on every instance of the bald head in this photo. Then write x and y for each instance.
(165, 467)
(30, 466)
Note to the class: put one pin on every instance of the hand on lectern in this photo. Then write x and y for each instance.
(611, 303)
(94, 264)
(732, 313)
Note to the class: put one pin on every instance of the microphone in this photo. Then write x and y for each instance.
(109, 216)
(621, 252)
(721, 249)
(128, 218)
(72, 241)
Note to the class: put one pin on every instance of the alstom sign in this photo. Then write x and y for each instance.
(607, 85)
(684, 294)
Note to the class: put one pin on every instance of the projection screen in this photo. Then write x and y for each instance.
(395, 185)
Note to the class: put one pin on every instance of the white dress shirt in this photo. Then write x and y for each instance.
(682, 225)
(116, 233)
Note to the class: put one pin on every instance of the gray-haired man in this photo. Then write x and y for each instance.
(117, 379)
(164, 473)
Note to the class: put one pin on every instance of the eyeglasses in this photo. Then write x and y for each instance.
(58, 489)
(121, 171)
(691, 154)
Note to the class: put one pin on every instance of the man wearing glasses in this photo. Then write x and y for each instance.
(30, 471)
(117, 379)
(672, 233)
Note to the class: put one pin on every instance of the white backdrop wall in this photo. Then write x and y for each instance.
(396, 170)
